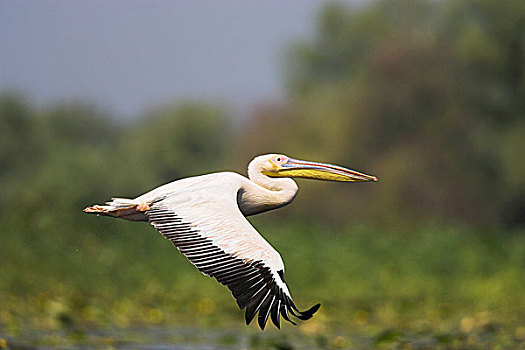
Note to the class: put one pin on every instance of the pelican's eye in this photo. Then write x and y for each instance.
(277, 160)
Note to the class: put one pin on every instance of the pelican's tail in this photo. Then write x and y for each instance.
(121, 208)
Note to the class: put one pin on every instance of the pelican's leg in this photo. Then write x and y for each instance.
(133, 212)
(142, 207)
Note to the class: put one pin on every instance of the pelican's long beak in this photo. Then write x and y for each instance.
(319, 171)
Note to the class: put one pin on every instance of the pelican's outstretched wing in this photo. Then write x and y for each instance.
(216, 238)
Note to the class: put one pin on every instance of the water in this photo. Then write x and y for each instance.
(163, 338)
(159, 338)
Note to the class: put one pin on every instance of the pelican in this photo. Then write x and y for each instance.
(205, 218)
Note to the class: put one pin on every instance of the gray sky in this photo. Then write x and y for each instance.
(129, 55)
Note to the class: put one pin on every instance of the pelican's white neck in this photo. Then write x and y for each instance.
(264, 193)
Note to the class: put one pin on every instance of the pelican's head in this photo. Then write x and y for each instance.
(279, 165)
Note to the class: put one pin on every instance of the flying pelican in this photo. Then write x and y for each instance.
(204, 217)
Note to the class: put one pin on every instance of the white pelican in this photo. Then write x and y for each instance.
(204, 217)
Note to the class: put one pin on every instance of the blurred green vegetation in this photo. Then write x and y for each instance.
(447, 285)
(429, 96)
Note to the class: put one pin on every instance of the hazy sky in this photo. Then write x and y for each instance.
(129, 55)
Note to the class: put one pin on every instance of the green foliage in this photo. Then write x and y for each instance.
(429, 96)
(179, 141)
(435, 281)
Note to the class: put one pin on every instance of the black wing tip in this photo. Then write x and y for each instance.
(249, 316)
(262, 323)
(306, 315)
(302, 315)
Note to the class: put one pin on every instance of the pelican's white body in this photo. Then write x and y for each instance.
(216, 204)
